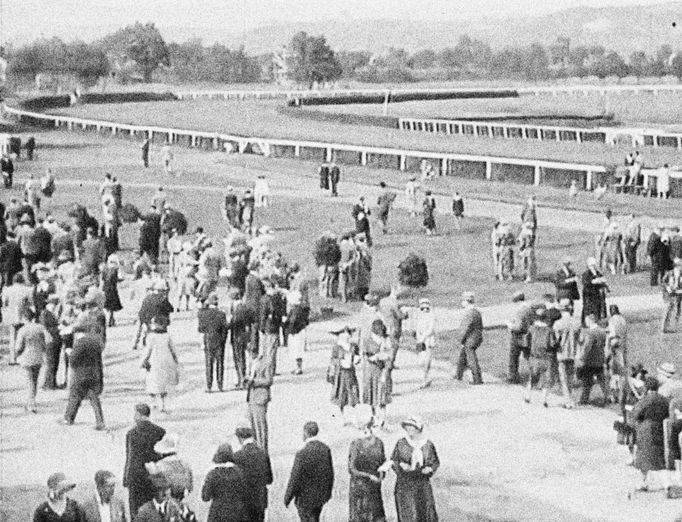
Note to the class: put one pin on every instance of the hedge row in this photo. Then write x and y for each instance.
(400, 97)
(42, 103)
(345, 118)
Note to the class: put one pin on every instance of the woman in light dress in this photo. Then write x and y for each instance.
(160, 363)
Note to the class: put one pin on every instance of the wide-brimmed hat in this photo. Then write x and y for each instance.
(113, 260)
(424, 302)
(57, 482)
(565, 304)
(244, 432)
(668, 369)
(159, 286)
(168, 444)
(65, 255)
(339, 329)
(468, 297)
(413, 421)
(223, 454)
(363, 416)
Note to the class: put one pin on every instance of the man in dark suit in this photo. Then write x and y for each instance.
(334, 177)
(161, 507)
(470, 337)
(86, 365)
(594, 291)
(140, 441)
(659, 253)
(255, 464)
(104, 503)
(566, 282)
(272, 316)
(258, 397)
(312, 476)
(213, 329)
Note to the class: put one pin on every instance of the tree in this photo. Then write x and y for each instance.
(311, 60)
(676, 65)
(141, 43)
(423, 59)
(536, 66)
(638, 63)
(609, 64)
(86, 62)
(351, 61)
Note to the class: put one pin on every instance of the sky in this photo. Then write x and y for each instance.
(25, 20)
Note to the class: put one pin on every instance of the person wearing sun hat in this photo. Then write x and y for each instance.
(366, 456)
(177, 471)
(58, 507)
(344, 358)
(414, 460)
(425, 333)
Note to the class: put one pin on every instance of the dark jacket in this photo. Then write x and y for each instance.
(10, 258)
(86, 361)
(593, 342)
(148, 512)
(470, 333)
(155, 305)
(140, 441)
(566, 289)
(44, 241)
(226, 489)
(213, 324)
(255, 464)
(272, 310)
(312, 476)
(658, 251)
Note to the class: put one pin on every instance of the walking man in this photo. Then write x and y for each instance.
(659, 253)
(85, 361)
(145, 152)
(592, 360)
(273, 311)
(334, 178)
(470, 337)
(312, 476)
(672, 294)
(213, 329)
(392, 316)
(255, 464)
(631, 241)
(140, 441)
(258, 397)
(385, 202)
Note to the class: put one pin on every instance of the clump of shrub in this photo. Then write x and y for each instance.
(327, 251)
(413, 272)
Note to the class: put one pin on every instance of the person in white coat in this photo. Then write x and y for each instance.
(425, 332)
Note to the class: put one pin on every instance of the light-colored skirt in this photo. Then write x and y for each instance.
(163, 375)
(297, 344)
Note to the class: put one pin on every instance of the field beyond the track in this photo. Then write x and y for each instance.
(263, 118)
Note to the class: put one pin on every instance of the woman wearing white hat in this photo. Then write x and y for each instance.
(109, 285)
(414, 461)
(425, 332)
(177, 472)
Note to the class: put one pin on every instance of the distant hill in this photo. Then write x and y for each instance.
(624, 29)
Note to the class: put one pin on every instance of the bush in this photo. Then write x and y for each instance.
(129, 213)
(412, 272)
(327, 251)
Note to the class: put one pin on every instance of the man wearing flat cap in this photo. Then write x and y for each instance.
(470, 337)
(255, 464)
(213, 330)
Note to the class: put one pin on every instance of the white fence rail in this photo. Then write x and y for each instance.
(497, 129)
(444, 161)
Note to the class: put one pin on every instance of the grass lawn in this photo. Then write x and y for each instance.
(262, 119)
(458, 260)
(627, 108)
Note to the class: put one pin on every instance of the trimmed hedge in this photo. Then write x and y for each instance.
(345, 118)
(42, 103)
(400, 97)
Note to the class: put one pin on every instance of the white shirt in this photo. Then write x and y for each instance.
(104, 510)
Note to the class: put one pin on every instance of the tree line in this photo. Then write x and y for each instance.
(139, 53)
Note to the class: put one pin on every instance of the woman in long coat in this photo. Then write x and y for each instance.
(594, 291)
(161, 363)
(110, 280)
(648, 415)
(429, 209)
(376, 384)
(414, 461)
(345, 356)
(225, 488)
(365, 460)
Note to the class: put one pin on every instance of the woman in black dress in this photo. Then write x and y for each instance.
(365, 461)
(58, 507)
(225, 488)
(414, 461)
(110, 280)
